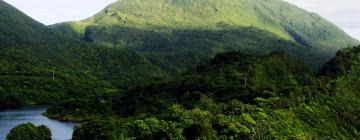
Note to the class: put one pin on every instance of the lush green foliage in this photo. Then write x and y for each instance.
(227, 76)
(132, 89)
(29, 132)
(235, 96)
(94, 130)
(37, 63)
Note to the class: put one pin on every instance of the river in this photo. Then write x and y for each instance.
(11, 118)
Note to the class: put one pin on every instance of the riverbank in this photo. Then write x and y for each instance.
(10, 118)
(69, 118)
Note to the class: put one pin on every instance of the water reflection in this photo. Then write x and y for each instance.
(11, 118)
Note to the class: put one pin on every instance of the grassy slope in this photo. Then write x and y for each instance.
(271, 15)
(130, 23)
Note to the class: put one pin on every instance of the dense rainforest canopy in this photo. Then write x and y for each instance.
(233, 96)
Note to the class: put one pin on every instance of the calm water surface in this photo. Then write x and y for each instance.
(11, 118)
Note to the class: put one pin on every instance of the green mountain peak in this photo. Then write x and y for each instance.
(212, 26)
(276, 16)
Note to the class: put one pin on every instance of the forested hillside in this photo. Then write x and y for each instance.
(39, 66)
(233, 96)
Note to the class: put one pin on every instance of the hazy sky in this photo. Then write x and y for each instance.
(344, 13)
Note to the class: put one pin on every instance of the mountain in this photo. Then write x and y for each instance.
(212, 26)
(29, 60)
(17, 28)
(40, 66)
(142, 70)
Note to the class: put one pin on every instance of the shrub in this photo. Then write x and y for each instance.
(29, 131)
(94, 130)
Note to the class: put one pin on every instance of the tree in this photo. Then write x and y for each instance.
(94, 130)
(29, 131)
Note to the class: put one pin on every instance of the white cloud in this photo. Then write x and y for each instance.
(55, 11)
(344, 13)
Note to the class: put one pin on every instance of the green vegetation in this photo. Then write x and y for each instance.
(37, 63)
(140, 73)
(227, 76)
(29, 132)
(211, 26)
(233, 96)
(38, 66)
(94, 130)
(274, 16)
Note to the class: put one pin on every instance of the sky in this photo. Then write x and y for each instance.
(343, 13)
(56, 11)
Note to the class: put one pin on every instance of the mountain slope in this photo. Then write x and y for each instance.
(29, 61)
(17, 28)
(125, 23)
(343, 72)
(40, 66)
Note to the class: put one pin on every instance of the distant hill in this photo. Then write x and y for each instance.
(211, 26)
